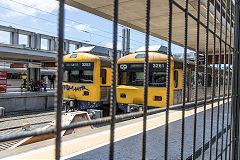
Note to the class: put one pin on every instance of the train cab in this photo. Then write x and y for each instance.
(130, 88)
(87, 78)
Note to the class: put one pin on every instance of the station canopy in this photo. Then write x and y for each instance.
(132, 13)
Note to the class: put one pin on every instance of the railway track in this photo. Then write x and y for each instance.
(13, 125)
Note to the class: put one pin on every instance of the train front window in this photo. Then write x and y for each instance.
(73, 76)
(156, 79)
(79, 76)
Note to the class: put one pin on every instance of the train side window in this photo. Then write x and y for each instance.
(103, 75)
(176, 79)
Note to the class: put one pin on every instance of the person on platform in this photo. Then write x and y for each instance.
(31, 85)
(52, 82)
(45, 82)
(40, 83)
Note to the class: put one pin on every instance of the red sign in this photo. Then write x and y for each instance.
(3, 81)
(16, 65)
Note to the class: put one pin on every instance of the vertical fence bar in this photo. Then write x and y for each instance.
(229, 7)
(230, 134)
(58, 105)
(229, 62)
(213, 79)
(184, 77)
(219, 78)
(224, 78)
(196, 81)
(235, 88)
(146, 77)
(205, 82)
(168, 76)
(113, 86)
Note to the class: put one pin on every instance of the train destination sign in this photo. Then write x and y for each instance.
(78, 65)
(125, 67)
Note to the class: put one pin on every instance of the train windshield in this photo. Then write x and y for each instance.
(156, 78)
(78, 76)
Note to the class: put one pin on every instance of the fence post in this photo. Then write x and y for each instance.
(235, 89)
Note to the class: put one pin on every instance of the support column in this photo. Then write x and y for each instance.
(14, 38)
(37, 41)
(66, 47)
(34, 74)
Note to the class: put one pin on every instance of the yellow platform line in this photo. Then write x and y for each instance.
(87, 143)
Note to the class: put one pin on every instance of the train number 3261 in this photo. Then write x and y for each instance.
(158, 65)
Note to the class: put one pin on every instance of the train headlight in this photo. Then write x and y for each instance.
(86, 93)
(158, 98)
(123, 95)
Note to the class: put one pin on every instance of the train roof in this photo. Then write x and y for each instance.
(153, 48)
(139, 57)
(96, 50)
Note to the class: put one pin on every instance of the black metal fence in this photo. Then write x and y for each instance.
(230, 98)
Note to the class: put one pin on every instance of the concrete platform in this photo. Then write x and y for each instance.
(94, 144)
(27, 101)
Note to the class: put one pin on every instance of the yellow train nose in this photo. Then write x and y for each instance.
(129, 94)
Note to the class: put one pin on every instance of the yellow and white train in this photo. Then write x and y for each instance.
(130, 89)
(87, 79)
(87, 73)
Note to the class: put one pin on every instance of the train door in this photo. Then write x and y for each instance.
(177, 91)
(188, 85)
(105, 84)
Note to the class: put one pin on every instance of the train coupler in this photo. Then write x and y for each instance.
(134, 108)
(69, 104)
(95, 113)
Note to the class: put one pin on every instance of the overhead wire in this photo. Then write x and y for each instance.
(55, 24)
(78, 22)
(56, 15)
(137, 43)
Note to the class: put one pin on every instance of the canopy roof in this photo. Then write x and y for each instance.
(132, 13)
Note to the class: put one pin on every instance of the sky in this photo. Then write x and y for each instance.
(40, 16)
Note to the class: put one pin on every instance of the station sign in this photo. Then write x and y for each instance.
(17, 65)
(3, 81)
(34, 65)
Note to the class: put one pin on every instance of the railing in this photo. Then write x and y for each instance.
(230, 130)
(34, 40)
